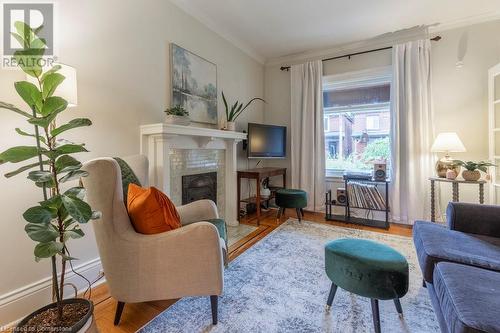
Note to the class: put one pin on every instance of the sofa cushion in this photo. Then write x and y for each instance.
(469, 297)
(151, 211)
(435, 243)
(220, 224)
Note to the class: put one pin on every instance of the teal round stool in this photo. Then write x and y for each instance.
(368, 269)
(291, 198)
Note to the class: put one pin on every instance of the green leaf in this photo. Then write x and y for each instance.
(39, 214)
(20, 39)
(38, 43)
(11, 107)
(74, 233)
(75, 174)
(53, 203)
(40, 176)
(24, 168)
(77, 209)
(76, 192)
(24, 31)
(78, 122)
(23, 133)
(50, 84)
(30, 94)
(65, 149)
(53, 105)
(47, 250)
(29, 60)
(67, 163)
(41, 232)
(50, 71)
(18, 154)
(225, 105)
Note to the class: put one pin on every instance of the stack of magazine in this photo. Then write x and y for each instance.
(365, 196)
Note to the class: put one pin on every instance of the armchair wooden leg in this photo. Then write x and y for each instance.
(214, 300)
(119, 310)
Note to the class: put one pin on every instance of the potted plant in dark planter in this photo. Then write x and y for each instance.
(56, 219)
(471, 172)
(235, 111)
(177, 115)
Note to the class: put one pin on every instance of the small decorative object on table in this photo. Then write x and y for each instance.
(451, 174)
(471, 172)
(177, 115)
(447, 143)
(235, 111)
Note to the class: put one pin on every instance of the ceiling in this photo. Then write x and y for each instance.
(268, 29)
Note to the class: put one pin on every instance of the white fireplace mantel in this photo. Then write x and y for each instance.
(158, 139)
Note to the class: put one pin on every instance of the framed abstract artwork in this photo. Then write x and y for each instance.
(194, 85)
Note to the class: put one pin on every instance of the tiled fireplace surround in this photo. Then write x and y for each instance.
(174, 151)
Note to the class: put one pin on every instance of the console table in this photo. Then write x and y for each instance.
(455, 191)
(258, 174)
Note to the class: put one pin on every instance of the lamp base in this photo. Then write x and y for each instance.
(445, 164)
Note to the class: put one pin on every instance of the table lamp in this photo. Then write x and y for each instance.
(447, 143)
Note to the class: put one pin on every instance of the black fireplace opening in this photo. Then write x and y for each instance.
(198, 187)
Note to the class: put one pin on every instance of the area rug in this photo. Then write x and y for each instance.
(280, 285)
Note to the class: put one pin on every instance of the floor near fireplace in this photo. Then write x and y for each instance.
(234, 234)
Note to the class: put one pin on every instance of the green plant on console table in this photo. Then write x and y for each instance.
(473, 166)
(177, 111)
(56, 219)
(237, 108)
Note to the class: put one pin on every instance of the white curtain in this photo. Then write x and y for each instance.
(307, 134)
(412, 131)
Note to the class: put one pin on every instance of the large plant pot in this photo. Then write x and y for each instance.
(471, 176)
(85, 325)
(177, 120)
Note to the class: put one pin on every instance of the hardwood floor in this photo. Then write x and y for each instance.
(136, 315)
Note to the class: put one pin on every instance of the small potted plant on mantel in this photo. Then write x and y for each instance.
(56, 219)
(235, 111)
(471, 172)
(177, 115)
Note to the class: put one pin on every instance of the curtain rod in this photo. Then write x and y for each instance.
(287, 68)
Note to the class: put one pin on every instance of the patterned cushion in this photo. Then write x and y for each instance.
(128, 177)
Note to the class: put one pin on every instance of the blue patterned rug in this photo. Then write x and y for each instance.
(280, 285)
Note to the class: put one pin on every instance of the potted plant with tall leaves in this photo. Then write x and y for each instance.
(471, 172)
(235, 111)
(56, 219)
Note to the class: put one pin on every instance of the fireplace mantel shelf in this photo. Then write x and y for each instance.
(169, 129)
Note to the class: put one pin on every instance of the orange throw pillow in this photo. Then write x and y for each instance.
(151, 211)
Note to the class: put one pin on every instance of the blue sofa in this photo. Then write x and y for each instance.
(461, 267)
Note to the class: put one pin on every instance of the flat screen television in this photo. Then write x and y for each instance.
(266, 141)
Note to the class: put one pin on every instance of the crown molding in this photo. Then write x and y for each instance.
(466, 21)
(209, 23)
(384, 40)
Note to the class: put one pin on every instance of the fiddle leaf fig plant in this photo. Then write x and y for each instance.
(237, 108)
(56, 219)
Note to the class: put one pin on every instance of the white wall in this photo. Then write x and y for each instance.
(121, 51)
(460, 95)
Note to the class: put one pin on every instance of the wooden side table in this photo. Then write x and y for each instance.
(455, 191)
(258, 174)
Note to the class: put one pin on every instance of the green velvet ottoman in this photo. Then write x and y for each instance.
(291, 198)
(368, 269)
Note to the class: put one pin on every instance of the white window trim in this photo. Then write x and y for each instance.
(327, 120)
(364, 78)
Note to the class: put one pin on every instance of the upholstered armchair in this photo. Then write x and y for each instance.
(183, 262)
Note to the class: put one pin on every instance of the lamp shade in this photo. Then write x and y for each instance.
(448, 142)
(68, 88)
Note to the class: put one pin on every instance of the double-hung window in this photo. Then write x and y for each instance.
(357, 120)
